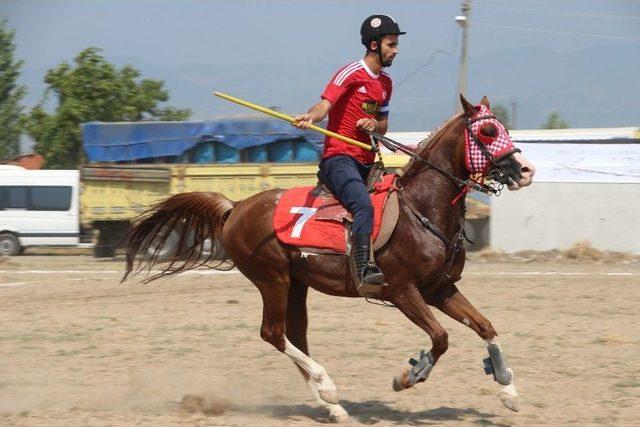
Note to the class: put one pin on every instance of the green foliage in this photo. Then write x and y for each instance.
(502, 114)
(554, 121)
(10, 95)
(93, 90)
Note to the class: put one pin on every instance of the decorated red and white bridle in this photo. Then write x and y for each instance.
(486, 142)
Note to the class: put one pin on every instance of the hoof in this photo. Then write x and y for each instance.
(337, 419)
(329, 396)
(401, 382)
(339, 416)
(511, 402)
(509, 395)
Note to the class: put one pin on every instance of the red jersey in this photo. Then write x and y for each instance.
(355, 93)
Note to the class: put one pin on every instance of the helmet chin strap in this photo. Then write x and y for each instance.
(379, 50)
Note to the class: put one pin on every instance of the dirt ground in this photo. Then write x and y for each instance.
(79, 349)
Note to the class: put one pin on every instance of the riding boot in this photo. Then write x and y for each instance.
(366, 271)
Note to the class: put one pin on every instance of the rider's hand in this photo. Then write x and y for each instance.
(302, 121)
(367, 124)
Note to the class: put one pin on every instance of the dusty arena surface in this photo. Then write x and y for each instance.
(79, 349)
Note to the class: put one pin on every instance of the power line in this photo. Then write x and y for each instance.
(556, 12)
(430, 61)
(537, 30)
(420, 67)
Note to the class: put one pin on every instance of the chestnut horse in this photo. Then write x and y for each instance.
(421, 261)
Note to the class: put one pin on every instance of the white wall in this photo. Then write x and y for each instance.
(550, 215)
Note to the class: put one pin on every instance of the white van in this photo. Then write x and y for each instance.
(38, 207)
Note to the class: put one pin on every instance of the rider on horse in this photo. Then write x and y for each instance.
(357, 100)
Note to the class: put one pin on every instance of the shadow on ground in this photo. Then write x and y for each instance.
(373, 411)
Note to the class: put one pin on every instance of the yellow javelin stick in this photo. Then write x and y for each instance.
(291, 119)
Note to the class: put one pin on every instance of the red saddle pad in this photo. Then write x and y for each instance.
(305, 218)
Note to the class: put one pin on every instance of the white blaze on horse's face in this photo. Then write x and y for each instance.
(527, 170)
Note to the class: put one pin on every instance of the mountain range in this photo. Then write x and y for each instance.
(593, 87)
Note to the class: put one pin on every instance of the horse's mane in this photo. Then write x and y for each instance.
(427, 143)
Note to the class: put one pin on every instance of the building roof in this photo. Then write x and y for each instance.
(27, 161)
(622, 135)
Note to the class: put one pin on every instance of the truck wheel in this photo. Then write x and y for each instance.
(9, 244)
(104, 251)
(110, 235)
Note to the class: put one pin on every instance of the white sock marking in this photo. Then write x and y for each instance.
(317, 373)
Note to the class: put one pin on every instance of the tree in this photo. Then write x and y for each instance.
(502, 114)
(554, 121)
(10, 95)
(93, 90)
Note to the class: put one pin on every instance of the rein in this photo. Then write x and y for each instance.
(466, 183)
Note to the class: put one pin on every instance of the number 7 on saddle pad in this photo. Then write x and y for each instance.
(310, 218)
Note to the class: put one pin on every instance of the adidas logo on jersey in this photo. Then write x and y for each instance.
(362, 89)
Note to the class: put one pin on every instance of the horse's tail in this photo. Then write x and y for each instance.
(188, 220)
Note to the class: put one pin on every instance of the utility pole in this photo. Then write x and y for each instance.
(464, 22)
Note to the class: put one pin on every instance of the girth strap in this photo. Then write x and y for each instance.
(452, 246)
(424, 220)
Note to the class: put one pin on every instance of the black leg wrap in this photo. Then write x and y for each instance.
(497, 365)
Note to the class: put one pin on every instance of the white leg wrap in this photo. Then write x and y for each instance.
(508, 394)
(325, 386)
(495, 341)
(496, 363)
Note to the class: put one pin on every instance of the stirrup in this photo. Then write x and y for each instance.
(372, 275)
(372, 288)
(368, 290)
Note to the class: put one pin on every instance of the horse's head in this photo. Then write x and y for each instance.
(489, 150)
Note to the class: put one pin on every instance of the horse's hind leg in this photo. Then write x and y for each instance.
(274, 298)
(297, 334)
(411, 304)
(450, 301)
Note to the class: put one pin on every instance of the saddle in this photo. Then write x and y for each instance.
(311, 218)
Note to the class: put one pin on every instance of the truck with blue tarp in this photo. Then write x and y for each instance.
(132, 165)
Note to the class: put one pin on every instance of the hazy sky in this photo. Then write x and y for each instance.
(293, 32)
(166, 32)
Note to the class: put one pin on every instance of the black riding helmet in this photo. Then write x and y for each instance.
(376, 26)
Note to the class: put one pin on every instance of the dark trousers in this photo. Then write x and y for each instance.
(347, 180)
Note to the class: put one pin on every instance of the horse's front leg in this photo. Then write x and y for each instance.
(412, 305)
(450, 301)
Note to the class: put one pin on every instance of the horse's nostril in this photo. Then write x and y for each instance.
(525, 169)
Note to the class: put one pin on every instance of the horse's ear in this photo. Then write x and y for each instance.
(485, 101)
(467, 107)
